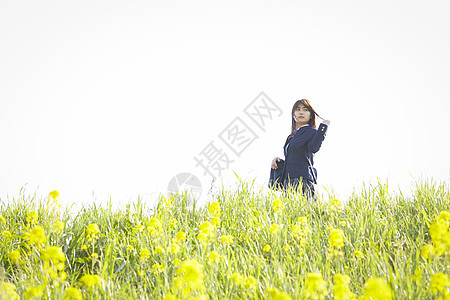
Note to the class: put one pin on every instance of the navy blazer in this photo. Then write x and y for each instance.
(305, 142)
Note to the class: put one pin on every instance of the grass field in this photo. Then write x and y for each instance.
(244, 245)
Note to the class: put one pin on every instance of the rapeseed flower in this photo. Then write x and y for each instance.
(316, 287)
(227, 239)
(37, 235)
(154, 227)
(377, 289)
(214, 209)
(439, 282)
(34, 292)
(301, 229)
(341, 290)
(58, 226)
(144, 254)
(159, 250)
(267, 248)
(278, 295)
(92, 231)
(181, 236)
(277, 206)
(176, 261)
(426, 251)
(31, 218)
(215, 221)
(2, 220)
(417, 276)
(358, 254)
(174, 248)
(189, 276)
(53, 253)
(157, 268)
(8, 291)
(274, 228)
(237, 278)
(73, 293)
(336, 238)
(250, 282)
(89, 281)
(15, 257)
(206, 232)
(214, 257)
(335, 204)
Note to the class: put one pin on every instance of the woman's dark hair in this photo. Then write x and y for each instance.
(307, 104)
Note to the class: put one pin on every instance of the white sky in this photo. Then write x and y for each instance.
(117, 97)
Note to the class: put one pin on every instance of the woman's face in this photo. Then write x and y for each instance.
(302, 115)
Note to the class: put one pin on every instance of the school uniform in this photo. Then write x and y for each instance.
(298, 148)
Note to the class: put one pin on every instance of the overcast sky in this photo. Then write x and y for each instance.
(115, 98)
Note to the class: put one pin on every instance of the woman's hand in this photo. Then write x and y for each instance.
(274, 162)
(326, 122)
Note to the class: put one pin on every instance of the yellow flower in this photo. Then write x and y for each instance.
(439, 282)
(37, 235)
(336, 238)
(301, 229)
(251, 282)
(267, 248)
(94, 255)
(174, 249)
(8, 291)
(138, 228)
(130, 248)
(154, 227)
(444, 217)
(2, 220)
(436, 231)
(335, 203)
(92, 231)
(170, 297)
(377, 289)
(181, 236)
(58, 226)
(159, 250)
(341, 289)
(214, 209)
(287, 247)
(206, 232)
(358, 254)
(157, 268)
(189, 276)
(278, 295)
(274, 228)
(144, 254)
(89, 281)
(73, 293)
(277, 206)
(213, 257)
(34, 292)
(53, 194)
(15, 256)
(176, 261)
(316, 287)
(426, 251)
(84, 247)
(237, 278)
(227, 239)
(32, 217)
(53, 253)
(417, 276)
(215, 221)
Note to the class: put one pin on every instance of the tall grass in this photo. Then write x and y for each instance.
(137, 253)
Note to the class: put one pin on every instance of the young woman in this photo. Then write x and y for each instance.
(300, 146)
